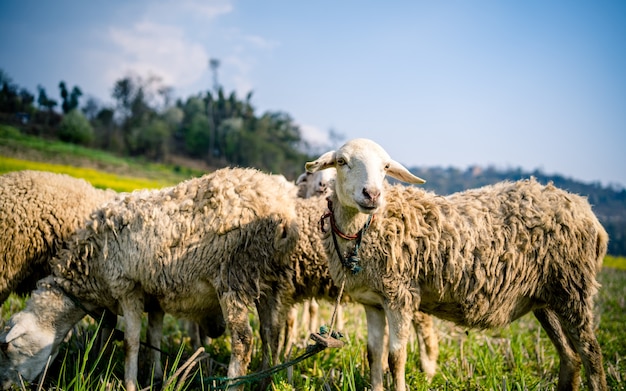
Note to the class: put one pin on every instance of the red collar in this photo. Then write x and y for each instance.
(333, 223)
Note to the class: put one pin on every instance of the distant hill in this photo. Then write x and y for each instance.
(609, 203)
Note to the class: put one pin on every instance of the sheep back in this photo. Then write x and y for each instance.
(38, 210)
(482, 257)
(229, 231)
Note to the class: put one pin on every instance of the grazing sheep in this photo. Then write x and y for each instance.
(480, 258)
(38, 211)
(206, 248)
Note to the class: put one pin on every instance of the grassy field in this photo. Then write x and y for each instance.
(518, 357)
(102, 169)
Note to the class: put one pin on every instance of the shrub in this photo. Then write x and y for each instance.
(75, 128)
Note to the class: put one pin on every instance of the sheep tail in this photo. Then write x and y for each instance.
(602, 244)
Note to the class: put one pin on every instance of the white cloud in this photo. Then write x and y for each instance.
(243, 85)
(209, 9)
(239, 69)
(175, 42)
(260, 42)
(206, 10)
(314, 135)
(149, 48)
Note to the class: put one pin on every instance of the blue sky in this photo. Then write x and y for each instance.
(532, 84)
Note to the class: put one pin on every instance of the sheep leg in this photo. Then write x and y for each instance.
(376, 344)
(399, 322)
(313, 316)
(306, 316)
(569, 373)
(339, 322)
(236, 316)
(291, 328)
(578, 327)
(132, 307)
(590, 352)
(155, 332)
(428, 343)
(271, 316)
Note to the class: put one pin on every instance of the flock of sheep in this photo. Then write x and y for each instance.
(210, 248)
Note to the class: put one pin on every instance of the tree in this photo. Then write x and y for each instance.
(47, 103)
(197, 135)
(174, 117)
(138, 105)
(75, 128)
(8, 97)
(107, 134)
(44, 101)
(151, 139)
(69, 99)
(91, 108)
(133, 109)
(123, 92)
(26, 101)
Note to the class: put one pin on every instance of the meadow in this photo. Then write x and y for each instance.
(517, 357)
(102, 169)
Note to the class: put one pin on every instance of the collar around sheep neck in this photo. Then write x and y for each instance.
(333, 224)
(352, 261)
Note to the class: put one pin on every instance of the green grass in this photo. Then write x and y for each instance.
(614, 262)
(517, 357)
(102, 169)
(14, 138)
(97, 178)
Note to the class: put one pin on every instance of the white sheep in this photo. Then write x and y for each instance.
(315, 184)
(480, 258)
(312, 279)
(38, 211)
(207, 248)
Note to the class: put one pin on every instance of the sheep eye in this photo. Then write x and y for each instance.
(341, 161)
(387, 166)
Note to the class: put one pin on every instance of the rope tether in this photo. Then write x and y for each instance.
(351, 260)
(322, 340)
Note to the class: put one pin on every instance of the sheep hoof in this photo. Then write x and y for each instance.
(326, 342)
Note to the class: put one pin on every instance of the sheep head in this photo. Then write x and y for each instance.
(315, 184)
(24, 349)
(361, 166)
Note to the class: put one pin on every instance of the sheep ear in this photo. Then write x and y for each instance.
(325, 161)
(301, 178)
(399, 172)
(15, 332)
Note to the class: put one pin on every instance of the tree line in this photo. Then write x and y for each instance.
(214, 126)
